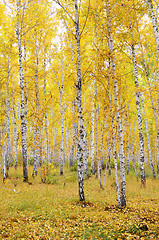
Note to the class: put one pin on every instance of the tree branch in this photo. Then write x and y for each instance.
(64, 10)
(86, 19)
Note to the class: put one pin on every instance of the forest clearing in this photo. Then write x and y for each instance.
(53, 211)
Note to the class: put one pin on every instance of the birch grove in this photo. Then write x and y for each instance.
(71, 84)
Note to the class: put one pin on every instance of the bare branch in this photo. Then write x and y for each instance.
(36, 24)
(64, 10)
(86, 19)
(9, 7)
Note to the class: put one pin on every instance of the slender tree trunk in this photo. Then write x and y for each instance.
(23, 114)
(5, 150)
(157, 127)
(11, 144)
(34, 136)
(142, 168)
(156, 33)
(62, 131)
(67, 151)
(121, 144)
(37, 130)
(113, 140)
(80, 144)
(8, 123)
(128, 160)
(108, 142)
(72, 147)
(46, 121)
(148, 139)
(85, 156)
(16, 138)
(92, 127)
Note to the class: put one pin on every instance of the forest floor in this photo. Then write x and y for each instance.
(38, 210)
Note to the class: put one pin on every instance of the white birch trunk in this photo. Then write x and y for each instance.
(148, 139)
(142, 168)
(128, 160)
(72, 147)
(81, 133)
(108, 143)
(157, 128)
(5, 146)
(97, 156)
(121, 144)
(34, 134)
(8, 123)
(85, 157)
(11, 144)
(92, 127)
(16, 138)
(62, 131)
(113, 140)
(67, 151)
(46, 121)
(156, 33)
(23, 114)
(37, 131)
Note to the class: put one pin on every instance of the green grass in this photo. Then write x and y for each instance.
(51, 210)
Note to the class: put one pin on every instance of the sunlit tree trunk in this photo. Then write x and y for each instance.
(62, 130)
(108, 144)
(81, 133)
(8, 123)
(34, 133)
(16, 138)
(155, 28)
(46, 121)
(142, 168)
(113, 139)
(11, 143)
(72, 147)
(92, 128)
(121, 144)
(85, 156)
(23, 114)
(5, 149)
(67, 151)
(148, 139)
(127, 146)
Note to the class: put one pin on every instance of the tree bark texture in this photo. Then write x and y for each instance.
(23, 114)
(80, 144)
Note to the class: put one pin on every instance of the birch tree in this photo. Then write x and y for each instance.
(23, 113)
(142, 168)
(93, 127)
(121, 144)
